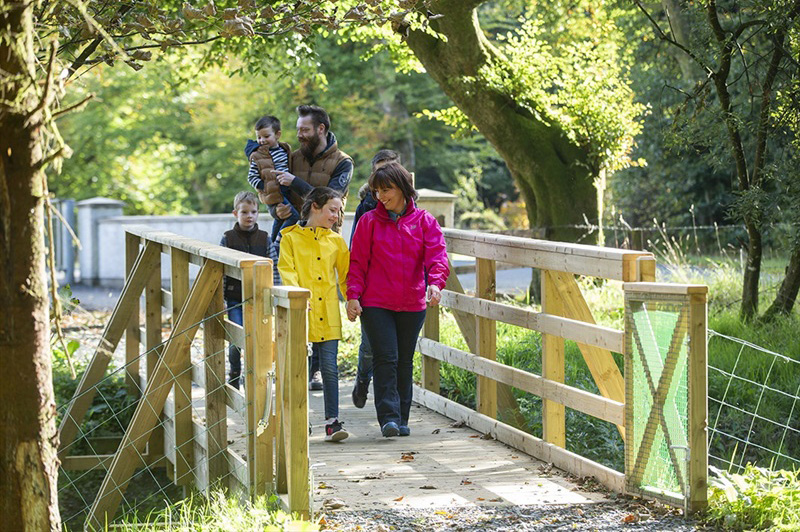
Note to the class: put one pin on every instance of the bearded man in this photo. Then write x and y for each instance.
(318, 161)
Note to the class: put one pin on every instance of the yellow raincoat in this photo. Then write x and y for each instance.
(313, 258)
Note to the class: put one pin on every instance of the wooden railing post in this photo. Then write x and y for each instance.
(248, 370)
(182, 396)
(152, 341)
(216, 409)
(698, 402)
(553, 419)
(281, 398)
(430, 366)
(292, 334)
(485, 275)
(299, 493)
(132, 343)
(262, 360)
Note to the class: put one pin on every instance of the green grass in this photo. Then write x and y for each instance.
(220, 511)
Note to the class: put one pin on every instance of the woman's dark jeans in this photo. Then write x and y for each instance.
(393, 339)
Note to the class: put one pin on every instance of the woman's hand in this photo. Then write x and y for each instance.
(433, 296)
(353, 309)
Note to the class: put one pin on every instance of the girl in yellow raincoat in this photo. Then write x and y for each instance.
(313, 256)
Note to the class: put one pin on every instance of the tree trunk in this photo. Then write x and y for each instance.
(752, 272)
(29, 467)
(554, 174)
(787, 293)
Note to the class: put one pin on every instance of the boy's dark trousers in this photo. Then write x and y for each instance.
(234, 355)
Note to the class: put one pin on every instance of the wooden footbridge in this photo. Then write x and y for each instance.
(206, 434)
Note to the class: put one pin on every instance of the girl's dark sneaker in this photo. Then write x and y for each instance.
(335, 432)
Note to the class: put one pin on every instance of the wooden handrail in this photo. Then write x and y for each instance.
(226, 256)
(580, 259)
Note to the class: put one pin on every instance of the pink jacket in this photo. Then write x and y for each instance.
(391, 262)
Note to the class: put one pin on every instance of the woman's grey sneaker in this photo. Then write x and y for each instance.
(403, 430)
(390, 429)
(360, 391)
(316, 381)
(335, 432)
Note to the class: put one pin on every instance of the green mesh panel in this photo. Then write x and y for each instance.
(656, 395)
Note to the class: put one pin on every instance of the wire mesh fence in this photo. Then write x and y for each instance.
(754, 406)
(657, 390)
(87, 460)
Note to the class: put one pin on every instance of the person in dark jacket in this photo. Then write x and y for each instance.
(368, 202)
(245, 236)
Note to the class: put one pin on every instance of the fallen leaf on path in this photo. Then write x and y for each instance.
(333, 504)
(375, 476)
(499, 499)
(323, 486)
(481, 499)
(475, 436)
(465, 482)
(458, 424)
(407, 457)
(427, 487)
(487, 436)
(630, 518)
(436, 431)
(400, 498)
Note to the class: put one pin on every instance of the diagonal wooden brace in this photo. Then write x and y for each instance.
(150, 406)
(148, 259)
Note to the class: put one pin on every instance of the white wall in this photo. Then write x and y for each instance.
(102, 233)
(204, 227)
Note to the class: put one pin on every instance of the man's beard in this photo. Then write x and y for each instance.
(309, 147)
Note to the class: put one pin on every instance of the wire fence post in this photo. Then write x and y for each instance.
(698, 402)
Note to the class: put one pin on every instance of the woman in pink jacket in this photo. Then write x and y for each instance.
(398, 265)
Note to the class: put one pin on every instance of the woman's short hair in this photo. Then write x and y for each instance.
(319, 197)
(393, 175)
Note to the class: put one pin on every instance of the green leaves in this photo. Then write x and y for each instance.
(568, 68)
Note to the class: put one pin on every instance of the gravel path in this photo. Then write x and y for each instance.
(625, 514)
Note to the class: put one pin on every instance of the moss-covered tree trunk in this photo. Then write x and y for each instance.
(553, 173)
(29, 466)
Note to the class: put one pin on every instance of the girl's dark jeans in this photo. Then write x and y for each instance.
(393, 339)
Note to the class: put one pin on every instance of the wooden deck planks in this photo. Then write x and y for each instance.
(367, 471)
